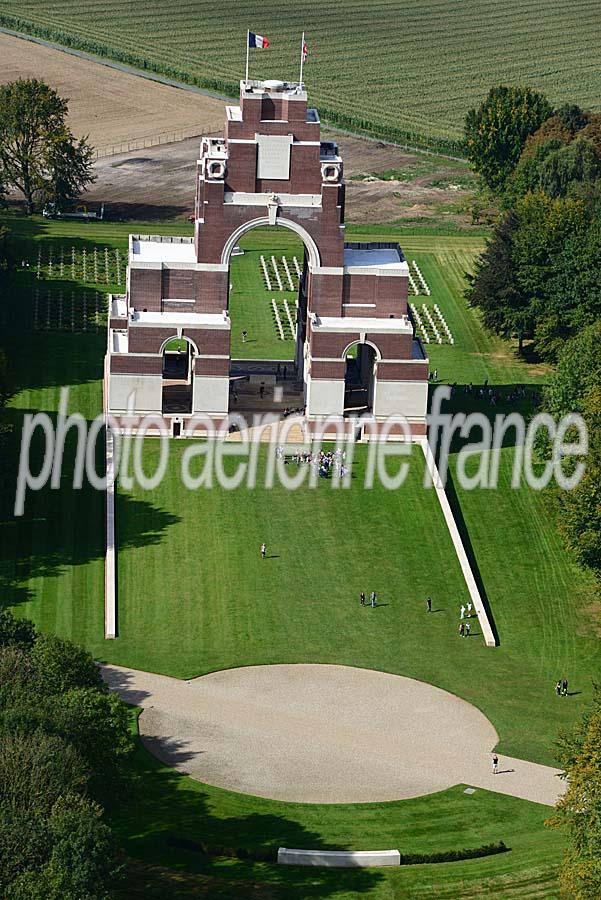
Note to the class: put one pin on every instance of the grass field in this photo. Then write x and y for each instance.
(191, 601)
(173, 809)
(250, 299)
(416, 69)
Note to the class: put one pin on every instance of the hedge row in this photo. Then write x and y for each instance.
(414, 859)
(270, 854)
(405, 138)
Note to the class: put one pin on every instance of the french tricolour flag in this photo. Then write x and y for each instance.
(257, 41)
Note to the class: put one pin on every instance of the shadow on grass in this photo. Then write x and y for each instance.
(63, 527)
(511, 398)
(170, 821)
(467, 543)
(116, 211)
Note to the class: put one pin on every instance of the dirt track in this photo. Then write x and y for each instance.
(323, 734)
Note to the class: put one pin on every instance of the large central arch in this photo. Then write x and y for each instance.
(270, 381)
(310, 245)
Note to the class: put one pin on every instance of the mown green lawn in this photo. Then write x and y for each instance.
(194, 596)
(170, 815)
(251, 301)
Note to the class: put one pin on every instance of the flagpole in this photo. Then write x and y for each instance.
(247, 49)
(301, 58)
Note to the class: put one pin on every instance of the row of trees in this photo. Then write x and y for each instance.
(64, 746)
(39, 156)
(540, 276)
(575, 386)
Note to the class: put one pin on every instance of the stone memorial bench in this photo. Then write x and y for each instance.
(338, 858)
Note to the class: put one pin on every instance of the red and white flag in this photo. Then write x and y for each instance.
(304, 51)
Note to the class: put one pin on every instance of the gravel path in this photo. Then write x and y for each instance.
(323, 734)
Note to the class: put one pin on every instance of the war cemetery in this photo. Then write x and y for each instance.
(286, 636)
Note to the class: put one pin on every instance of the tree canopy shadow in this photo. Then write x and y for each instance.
(170, 820)
(65, 526)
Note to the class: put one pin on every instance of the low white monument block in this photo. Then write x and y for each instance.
(338, 858)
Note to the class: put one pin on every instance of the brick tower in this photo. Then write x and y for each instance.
(270, 168)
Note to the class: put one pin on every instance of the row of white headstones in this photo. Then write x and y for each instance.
(431, 321)
(432, 324)
(278, 319)
(56, 312)
(271, 271)
(64, 264)
(422, 287)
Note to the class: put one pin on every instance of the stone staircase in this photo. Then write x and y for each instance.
(292, 429)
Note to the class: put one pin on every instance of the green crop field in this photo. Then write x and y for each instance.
(403, 70)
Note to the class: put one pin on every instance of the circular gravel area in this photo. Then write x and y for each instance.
(311, 733)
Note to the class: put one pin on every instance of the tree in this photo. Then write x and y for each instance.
(36, 769)
(553, 168)
(493, 288)
(578, 161)
(571, 117)
(575, 386)
(64, 742)
(69, 164)
(15, 631)
(578, 371)
(540, 275)
(16, 675)
(38, 153)
(525, 178)
(552, 129)
(98, 726)
(580, 513)
(579, 810)
(495, 133)
(592, 131)
(61, 665)
(82, 863)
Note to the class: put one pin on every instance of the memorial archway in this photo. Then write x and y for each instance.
(361, 360)
(178, 359)
(267, 307)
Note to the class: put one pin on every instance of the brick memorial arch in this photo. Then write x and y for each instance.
(270, 168)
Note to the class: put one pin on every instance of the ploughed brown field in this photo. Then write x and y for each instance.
(108, 105)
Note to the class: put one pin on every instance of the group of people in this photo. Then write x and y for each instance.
(465, 628)
(372, 599)
(494, 396)
(561, 688)
(324, 462)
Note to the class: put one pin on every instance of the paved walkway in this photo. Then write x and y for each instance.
(323, 734)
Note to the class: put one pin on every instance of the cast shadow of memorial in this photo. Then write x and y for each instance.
(118, 211)
(64, 527)
(491, 401)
